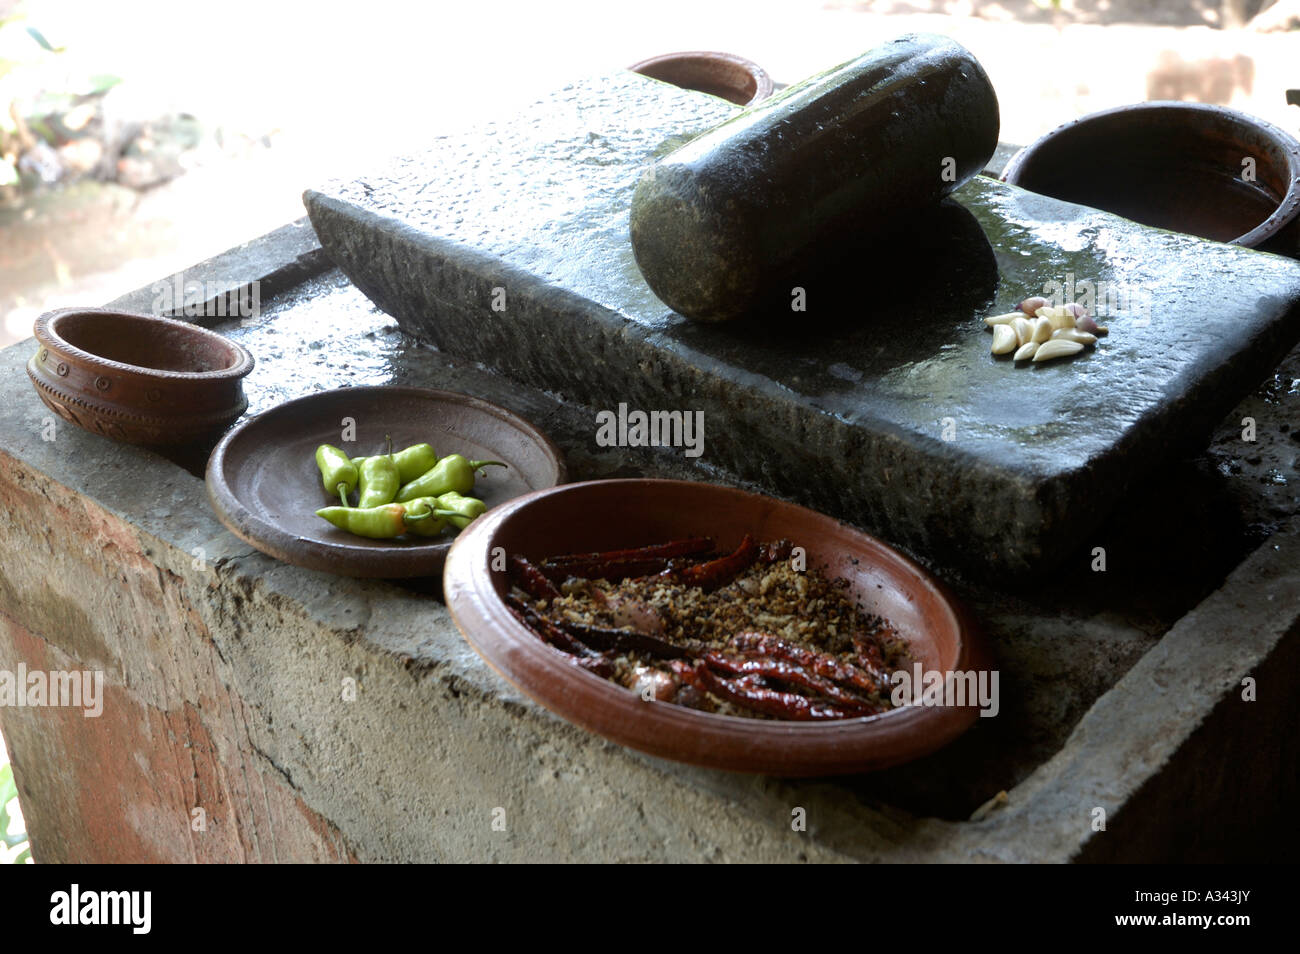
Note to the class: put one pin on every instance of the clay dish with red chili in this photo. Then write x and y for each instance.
(492, 563)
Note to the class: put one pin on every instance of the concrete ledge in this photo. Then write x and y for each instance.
(275, 262)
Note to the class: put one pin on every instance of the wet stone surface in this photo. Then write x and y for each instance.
(889, 359)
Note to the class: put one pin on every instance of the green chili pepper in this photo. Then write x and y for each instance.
(411, 462)
(378, 523)
(428, 506)
(415, 461)
(379, 480)
(452, 473)
(338, 473)
(464, 508)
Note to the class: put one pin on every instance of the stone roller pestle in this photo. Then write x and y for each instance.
(727, 224)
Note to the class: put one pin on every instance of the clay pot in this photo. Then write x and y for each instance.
(138, 378)
(1176, 166)
(608, 514)
(732, 78)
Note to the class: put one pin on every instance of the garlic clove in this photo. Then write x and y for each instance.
(1030, 306)
(1056, 348)
(1061, 318)
(1004, 339)
(1074, 334)
(1024, 330)
(1006, 319)
(1042, 330)
(1026, 351)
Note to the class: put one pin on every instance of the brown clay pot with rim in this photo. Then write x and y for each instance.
(1188, 167)
(725, 75)
(136, 378)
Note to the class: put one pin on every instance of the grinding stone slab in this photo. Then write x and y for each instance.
(880, 403)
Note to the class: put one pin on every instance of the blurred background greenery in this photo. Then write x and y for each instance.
(13, 839)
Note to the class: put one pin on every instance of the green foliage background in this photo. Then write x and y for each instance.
(9, 801)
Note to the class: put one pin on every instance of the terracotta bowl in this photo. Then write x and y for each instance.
(732, 78)
(138, 378)
(1176, 166)
(610, 514)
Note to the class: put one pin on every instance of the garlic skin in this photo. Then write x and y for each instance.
(1089, 324)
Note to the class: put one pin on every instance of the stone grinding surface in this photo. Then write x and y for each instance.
(860, 387)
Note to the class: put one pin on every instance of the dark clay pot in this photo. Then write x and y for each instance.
(1176, 166)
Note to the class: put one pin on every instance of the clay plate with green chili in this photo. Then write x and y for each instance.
(265, 486)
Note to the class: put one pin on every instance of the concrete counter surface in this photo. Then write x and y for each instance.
(254, 711)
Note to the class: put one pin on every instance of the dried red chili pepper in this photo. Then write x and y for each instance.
(674, 548)
(546, 631)
(624, 640)
(823, 664)
(779, 670)
(612, 570)
(869, 653)
(750, 693)
(719, 572)
(532, 580)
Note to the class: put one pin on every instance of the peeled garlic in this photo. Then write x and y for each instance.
(1004, 339)
(1056, 348)
(1074, 334)
(1024, 329)
(1061, 318)
(1041, 331)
